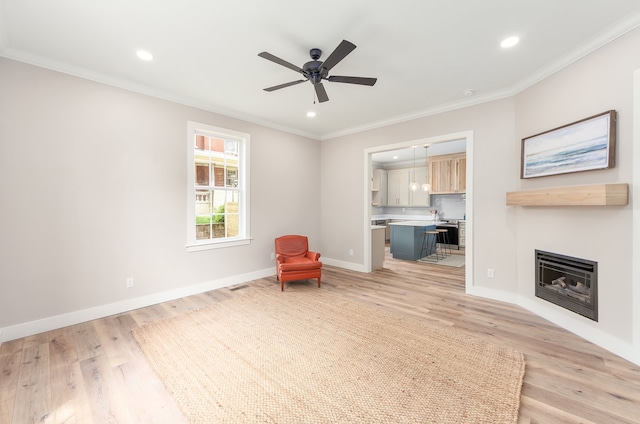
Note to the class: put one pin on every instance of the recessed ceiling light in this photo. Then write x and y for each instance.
(509, 42)
(311, 114)
(469, 92)
(395, 157)
(144, 55)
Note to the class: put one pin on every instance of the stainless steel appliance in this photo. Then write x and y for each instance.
(452, 226)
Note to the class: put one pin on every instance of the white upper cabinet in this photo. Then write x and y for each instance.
(379, 188)
(420, 197)
(398, 187)
(399, 193)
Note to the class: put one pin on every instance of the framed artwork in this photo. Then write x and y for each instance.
(580, 146)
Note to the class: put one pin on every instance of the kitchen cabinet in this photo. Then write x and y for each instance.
(420, 197)
(398, 192)
(462, 233)
(377, 246)
(398, 181)
(379, 188)
(448, 173)
(407, 238)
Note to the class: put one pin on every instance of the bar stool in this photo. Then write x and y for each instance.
(431, 250)
(444, 237)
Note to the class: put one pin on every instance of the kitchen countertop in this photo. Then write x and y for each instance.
(409, 218)
(405, 217)
(422, 223)
(378, 227)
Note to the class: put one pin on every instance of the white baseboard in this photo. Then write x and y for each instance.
(493, 294)
(342, 264)
(574, 324)
(58, 321)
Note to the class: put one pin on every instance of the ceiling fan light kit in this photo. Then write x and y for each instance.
(315, 71)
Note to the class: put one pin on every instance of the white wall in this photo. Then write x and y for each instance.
(597, 83)
(504, 237)
(86, 153)
(93, 187)
(493, 128)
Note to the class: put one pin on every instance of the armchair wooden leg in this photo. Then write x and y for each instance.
(281, 285)
(318, 281)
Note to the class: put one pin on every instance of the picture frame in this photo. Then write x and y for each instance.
(585, 145)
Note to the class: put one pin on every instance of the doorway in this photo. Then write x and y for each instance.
(467, 136)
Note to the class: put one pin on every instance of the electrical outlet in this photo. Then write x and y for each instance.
(129, 282)
(273, 255)
(490, 272)
(350, 252)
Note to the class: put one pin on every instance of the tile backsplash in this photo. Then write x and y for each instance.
(449, 206)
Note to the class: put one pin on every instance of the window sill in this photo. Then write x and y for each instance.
(208, 245)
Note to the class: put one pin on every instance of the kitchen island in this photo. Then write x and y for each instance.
(377, 246)
(407, 236)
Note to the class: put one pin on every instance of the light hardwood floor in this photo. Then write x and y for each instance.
(95, 373)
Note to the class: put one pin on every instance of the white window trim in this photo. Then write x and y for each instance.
(244, 238)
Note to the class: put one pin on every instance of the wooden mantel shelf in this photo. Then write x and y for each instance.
(590, 195)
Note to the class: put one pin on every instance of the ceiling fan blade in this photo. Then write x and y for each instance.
(282, 62)
(353, 80)
(288, 84)
(343, 49)
(321, 93)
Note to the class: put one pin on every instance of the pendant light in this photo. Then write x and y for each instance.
(426, 186)
(414, 186)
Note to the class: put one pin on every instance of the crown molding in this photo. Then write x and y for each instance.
(611, 33)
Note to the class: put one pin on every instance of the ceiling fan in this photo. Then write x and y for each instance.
(315, 71)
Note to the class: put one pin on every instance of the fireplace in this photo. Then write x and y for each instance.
(568, 282)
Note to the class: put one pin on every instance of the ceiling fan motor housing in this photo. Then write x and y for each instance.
(315, 71)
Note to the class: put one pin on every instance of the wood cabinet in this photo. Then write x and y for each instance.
(379, 188)
(448, 173)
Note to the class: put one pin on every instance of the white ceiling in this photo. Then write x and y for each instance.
(419, 153)
(425, 53)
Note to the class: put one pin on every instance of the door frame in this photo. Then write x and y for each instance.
(368, 174)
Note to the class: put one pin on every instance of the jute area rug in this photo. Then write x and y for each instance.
(310, 356)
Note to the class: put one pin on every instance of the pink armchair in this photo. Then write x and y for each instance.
(294, 261)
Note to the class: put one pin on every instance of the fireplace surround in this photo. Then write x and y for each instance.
(569, 282)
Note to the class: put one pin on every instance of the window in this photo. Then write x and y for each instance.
(218, 199)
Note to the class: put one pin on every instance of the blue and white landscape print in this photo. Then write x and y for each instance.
(579, 147)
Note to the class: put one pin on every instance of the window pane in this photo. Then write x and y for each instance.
(218, 172)
(232, 215)
(233, 224)
(203, 215)
(202, 174)
(231, 148)
(218, 226)
(232, 177)
(201, 143)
